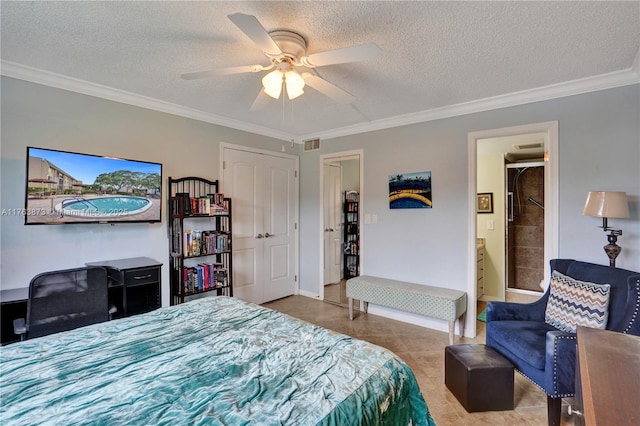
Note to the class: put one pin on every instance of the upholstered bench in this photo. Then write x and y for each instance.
(479, 377)
(434, 302)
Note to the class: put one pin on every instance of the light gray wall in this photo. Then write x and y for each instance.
(599, 149)
(45, 117)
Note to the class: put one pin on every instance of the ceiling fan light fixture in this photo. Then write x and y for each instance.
(294, 83)
(286, 50)
(272, 83)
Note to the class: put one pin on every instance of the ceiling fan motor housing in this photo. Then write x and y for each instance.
(293, 45)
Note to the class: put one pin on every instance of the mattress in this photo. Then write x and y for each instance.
(215, 360)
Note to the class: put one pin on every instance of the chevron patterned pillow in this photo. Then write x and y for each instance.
(574, 303)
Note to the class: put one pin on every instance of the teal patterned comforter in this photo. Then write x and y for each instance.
(217, 361)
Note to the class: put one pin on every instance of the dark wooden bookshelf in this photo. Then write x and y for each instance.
(199, 239)
(351, 235)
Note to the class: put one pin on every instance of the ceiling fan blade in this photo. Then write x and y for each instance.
(261, 101)
(328, 89)
(224, 71)
(249, 25)
(342, 55)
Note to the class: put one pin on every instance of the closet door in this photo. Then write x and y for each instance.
(241, 180)
(263, 190)
(279, 226)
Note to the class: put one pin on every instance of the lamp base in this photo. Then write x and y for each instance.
(612, 249)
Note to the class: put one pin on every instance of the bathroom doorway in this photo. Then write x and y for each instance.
(491, 151)
(341, 173)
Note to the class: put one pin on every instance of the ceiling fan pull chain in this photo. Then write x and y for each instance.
(283, 106)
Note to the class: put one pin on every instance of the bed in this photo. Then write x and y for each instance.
(216, 360)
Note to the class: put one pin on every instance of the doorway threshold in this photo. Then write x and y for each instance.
(522, 296)
(521, 291)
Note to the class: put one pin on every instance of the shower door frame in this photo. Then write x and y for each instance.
(507, 277)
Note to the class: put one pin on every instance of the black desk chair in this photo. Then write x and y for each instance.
(64, 300)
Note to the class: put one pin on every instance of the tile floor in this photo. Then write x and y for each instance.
(423, 350)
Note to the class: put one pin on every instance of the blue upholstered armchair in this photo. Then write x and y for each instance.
(545, 354)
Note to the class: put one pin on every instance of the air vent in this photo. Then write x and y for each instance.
(312, 144)
(537, 145)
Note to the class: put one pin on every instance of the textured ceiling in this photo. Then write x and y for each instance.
(434, 54)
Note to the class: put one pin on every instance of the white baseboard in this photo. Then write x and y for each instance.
(309, 294)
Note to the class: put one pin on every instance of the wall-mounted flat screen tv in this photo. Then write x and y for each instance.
(70, 187)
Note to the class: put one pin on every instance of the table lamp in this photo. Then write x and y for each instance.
(608, 204)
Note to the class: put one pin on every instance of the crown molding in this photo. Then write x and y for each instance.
(47, 78)
(554, 91)
(575, 87)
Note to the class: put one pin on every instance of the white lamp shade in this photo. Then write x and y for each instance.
(294, 84)
(272, 83)
(609, 204)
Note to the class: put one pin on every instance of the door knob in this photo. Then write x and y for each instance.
(258, 236)
(267, 235)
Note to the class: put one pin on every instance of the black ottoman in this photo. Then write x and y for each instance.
(479, 377)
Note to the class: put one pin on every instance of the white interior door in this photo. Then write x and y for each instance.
(264, 240)
(332, 223)
(278, 227)
(242, 177)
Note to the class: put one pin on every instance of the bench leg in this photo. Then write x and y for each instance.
(366, 306)
(452, 327)
(351, 308)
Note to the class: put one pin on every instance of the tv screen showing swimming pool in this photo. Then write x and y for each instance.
(70, 187)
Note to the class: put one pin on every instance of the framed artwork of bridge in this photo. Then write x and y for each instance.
(410, 190)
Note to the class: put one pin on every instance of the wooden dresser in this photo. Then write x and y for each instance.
(607, 378)
(480, 267)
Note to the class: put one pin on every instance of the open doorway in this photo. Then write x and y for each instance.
(490, 153)
(341, 184)
(511, 235)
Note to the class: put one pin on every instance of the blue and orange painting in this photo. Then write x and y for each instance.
(410, 191)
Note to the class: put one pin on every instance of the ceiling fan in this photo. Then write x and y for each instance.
(286, 51)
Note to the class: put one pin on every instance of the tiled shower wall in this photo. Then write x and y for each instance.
(526, 233)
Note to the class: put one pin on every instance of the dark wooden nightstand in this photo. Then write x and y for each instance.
(134, 284)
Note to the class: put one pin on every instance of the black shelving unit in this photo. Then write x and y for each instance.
(199, 239)
(351, 236)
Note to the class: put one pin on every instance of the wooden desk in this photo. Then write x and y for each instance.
(13, 304)
(608, 377)
(134, 284)
(134, 288)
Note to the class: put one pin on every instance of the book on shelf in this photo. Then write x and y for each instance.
(218, 203)
(204, 276)
(206, 205)
(351, 196)
(201, 243)
(186, 202)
